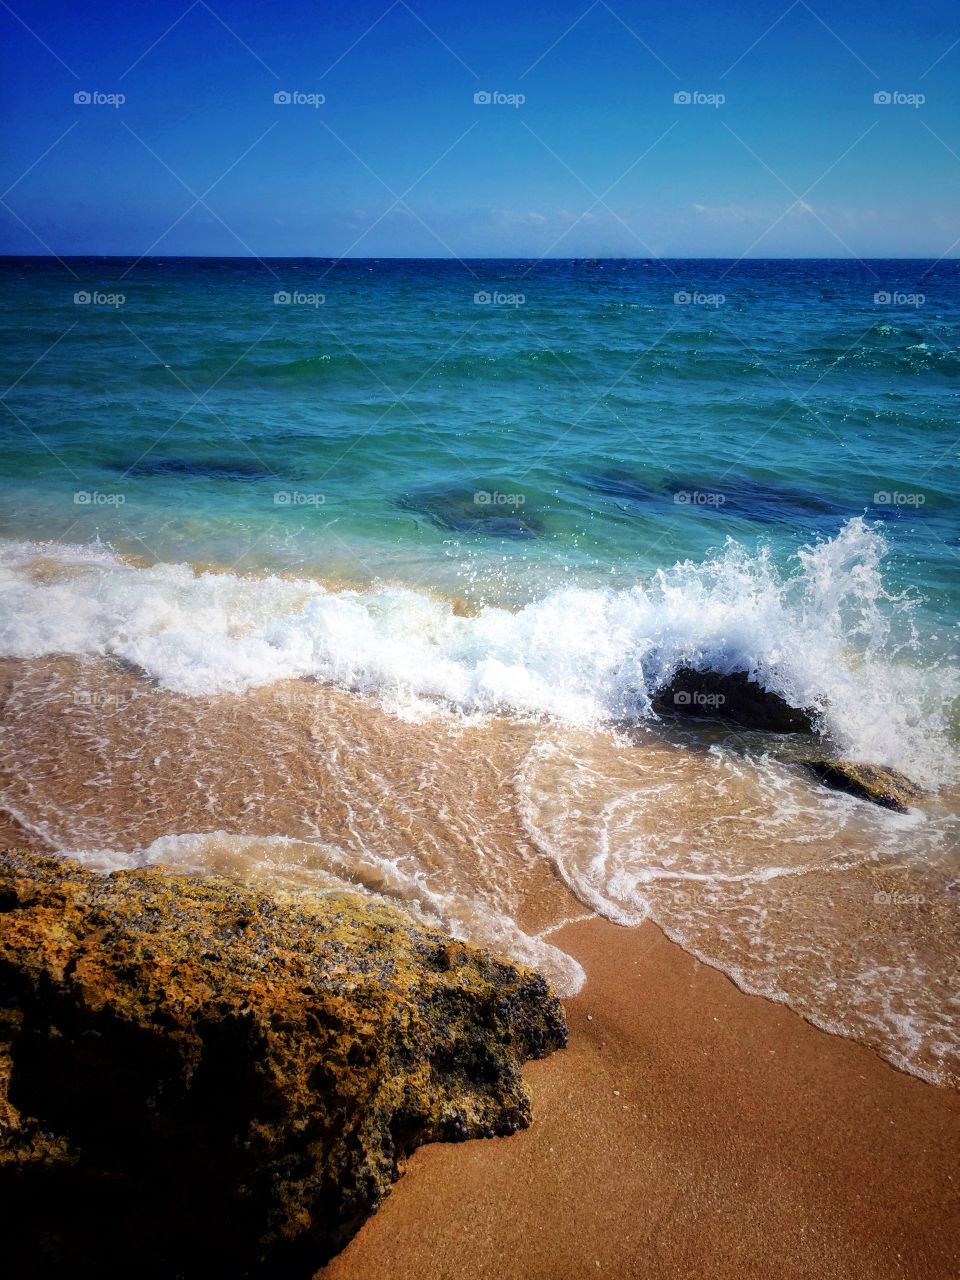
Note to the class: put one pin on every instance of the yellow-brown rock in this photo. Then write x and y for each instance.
(875, 782)
(199, 1080)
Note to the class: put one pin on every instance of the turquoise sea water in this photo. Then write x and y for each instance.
(583, 424)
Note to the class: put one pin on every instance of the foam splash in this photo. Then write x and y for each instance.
(844, 911)
(824, 635)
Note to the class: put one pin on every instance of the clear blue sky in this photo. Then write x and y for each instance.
(799, 160)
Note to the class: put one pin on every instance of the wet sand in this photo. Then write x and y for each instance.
(689, 1131)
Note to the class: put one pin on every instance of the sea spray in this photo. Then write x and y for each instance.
(825, 634)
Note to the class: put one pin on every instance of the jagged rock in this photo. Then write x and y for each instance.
(200, 1080)
(884, 786)
(730, 697)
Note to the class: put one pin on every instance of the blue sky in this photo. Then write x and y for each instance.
(599, 159)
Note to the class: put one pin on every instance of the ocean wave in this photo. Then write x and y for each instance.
(824, 635)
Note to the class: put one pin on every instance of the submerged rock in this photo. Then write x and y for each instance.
(492, 512)
(752, 498)
(876, 782)
(617, 483)
(199, 1080)
(203, 468)
(723, 496)
(709, 694)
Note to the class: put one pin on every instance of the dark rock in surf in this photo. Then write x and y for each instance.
(875, 782)
(198, 1080)
(735, 697)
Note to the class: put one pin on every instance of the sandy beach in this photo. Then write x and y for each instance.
(689, 1130)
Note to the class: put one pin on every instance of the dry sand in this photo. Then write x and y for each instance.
(690, 1131)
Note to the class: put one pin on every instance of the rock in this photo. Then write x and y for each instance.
(884, 786)
(200, 1080)
(730, 697)
(202, 468)
(493, 510)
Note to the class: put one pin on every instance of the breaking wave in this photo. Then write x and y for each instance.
(824, 634)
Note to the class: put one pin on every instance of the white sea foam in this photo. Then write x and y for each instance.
(824, 635)
(752, 869)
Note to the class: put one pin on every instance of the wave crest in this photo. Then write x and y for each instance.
(825, 635)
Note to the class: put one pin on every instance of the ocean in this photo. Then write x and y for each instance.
(365, 574)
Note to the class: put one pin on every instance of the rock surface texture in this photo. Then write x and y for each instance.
(876, 782)
(199, 1080)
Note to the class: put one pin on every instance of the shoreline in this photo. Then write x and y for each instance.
(689, 1129)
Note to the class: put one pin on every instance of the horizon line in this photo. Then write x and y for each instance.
(399, 257)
